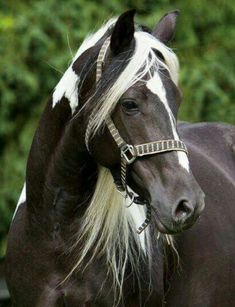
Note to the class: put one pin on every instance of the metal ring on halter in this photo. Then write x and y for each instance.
(132, 200)
(128, 153)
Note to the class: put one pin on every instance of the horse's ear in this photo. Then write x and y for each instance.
(123, 32)
(165, 29)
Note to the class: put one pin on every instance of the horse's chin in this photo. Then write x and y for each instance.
(164, 229)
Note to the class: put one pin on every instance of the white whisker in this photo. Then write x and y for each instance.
(70, 49)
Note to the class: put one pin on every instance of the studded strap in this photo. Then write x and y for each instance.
(99, 68)
(114, 132)
(159, 147)
(100, 59)
(147, 219)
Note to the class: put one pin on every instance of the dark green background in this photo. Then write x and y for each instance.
(35, 42)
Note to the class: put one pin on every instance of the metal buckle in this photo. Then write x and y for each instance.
(128, 153)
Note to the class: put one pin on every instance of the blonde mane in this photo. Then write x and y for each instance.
(143, 61)
(108, 227)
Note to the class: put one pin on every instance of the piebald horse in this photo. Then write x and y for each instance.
(112, 185)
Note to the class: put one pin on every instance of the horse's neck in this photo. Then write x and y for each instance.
(71, 175)
(48, 134)
(59, 170)
(45, 141)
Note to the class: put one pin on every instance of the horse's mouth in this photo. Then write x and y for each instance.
(139, 188)
(161, 227)
(176, 229)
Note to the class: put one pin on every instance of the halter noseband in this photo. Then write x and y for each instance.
(129, 152)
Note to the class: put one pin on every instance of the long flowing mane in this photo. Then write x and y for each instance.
(109, 227)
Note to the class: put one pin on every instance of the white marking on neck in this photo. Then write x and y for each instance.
(67, 87)
(156, 86)
(21, 200)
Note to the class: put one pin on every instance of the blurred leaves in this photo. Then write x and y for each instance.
(35, 41)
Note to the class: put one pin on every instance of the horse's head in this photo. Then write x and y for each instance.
(138, 89)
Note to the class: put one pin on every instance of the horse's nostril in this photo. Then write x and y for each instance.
(182, 211)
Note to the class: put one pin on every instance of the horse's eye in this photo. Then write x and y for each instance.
(129, 105)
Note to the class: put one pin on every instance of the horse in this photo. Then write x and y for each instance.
(113, 211)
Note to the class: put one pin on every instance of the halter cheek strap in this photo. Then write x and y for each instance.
(129, 153)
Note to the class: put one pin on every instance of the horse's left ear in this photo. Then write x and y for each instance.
(123, 32)
(165, 29)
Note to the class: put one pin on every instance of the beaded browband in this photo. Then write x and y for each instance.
(129, 152)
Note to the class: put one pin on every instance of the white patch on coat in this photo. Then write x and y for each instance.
(68, 88)
(156, 86)
(138, 215)
(21, 200)
(68, 85)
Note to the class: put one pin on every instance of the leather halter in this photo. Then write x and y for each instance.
(129, 153)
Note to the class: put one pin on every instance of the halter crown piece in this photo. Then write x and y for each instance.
(129, 153)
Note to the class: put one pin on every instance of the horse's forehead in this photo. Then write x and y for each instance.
(138, 91)
(155, 83)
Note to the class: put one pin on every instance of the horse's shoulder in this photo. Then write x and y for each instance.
(206, 127)
(210, 144)
(208, 133)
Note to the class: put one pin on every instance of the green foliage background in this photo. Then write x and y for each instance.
(35, 41)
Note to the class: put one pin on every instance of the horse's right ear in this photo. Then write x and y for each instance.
(123, 32)
(165, 29)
